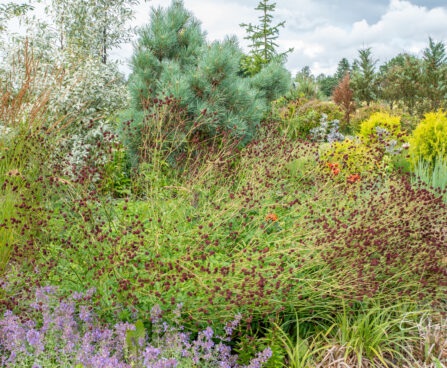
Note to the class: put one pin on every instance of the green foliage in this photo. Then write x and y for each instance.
(327, 83)
(433, 176)
(117, 177)
(400, 82)
(363, 113)
(10, 10)
(429, 140)
(364, 80)
(271, 82)
(92, 28)
(376, 334)
(172, 58)
(343, 67)
(299, 117)
(135, 339)
(262, 37)
(301, 352)
(435, 74)
(305, 85)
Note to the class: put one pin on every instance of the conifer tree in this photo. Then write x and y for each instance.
(342, 68)
(262, 37)
(435, 73)
(364, 81)
(327, 83)
(172, 57)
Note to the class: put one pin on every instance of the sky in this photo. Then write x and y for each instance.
(320, 31)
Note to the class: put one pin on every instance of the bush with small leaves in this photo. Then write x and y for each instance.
(429, 140)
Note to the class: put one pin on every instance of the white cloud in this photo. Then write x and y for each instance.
(403, 27)
(320, 31)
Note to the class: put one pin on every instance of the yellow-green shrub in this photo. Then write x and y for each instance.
(383, 120)
(363, 113)
(353, 157)
(429, 139)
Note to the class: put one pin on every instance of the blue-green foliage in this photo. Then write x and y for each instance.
(172, 57)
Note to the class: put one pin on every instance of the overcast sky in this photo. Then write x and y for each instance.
(322, 31)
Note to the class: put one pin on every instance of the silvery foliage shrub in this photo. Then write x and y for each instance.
(88, 95)
(392, 147)
(327, 131)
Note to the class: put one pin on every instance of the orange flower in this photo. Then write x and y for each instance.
(271, 217)
(332, 165)
(353, 178)
(335, 171)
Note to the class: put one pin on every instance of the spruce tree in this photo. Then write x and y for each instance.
(262, 37)
(435, 73)
(364, 81)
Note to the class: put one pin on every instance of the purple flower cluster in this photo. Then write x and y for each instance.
(63, 332)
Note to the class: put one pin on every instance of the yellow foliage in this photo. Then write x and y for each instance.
(353, 157)
(429, 139)
(381, 121)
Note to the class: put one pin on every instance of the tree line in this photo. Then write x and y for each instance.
(415, 84)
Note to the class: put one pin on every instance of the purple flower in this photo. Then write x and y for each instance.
(84, 314)
(34, 338)
(150, 354)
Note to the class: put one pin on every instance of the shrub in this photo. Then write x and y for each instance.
(353, 157)
(429, 139)
(379, 126)
(364, 112)
(300, 116)
(76, 97)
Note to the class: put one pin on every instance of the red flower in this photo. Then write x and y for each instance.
(271, 217)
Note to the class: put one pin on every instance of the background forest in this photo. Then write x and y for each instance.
(210, 209)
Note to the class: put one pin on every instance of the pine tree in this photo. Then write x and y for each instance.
(263, 36)
(172, 57)
(364, 81)
(389, 78)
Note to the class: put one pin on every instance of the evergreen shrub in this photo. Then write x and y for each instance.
(429, 139)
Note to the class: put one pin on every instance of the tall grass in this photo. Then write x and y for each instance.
(433, 177)
(25, 130)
